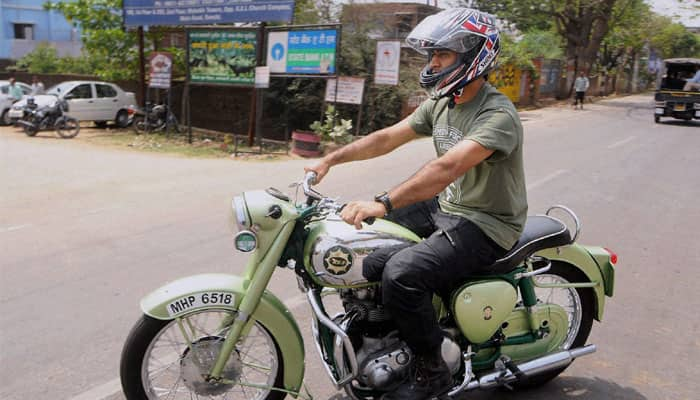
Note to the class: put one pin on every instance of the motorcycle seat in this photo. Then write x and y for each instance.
(540, 232)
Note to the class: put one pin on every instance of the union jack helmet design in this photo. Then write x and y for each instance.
(470, 33)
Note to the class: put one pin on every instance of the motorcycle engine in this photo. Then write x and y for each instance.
(383, 357)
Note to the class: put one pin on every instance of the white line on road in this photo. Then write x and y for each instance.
(622, 142)
(546, 179)
(14, 228)
(101, 392)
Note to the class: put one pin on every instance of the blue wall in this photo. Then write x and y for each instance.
(49, 26)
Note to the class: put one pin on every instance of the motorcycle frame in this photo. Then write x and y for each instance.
(284, 239)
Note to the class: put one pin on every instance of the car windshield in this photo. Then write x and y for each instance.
(60, 88)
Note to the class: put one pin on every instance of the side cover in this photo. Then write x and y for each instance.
(226, 292)
(481, 307)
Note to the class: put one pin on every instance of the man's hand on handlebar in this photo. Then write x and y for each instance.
(320, 168)
(355, 212)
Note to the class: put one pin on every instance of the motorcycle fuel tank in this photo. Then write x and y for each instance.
(480, 308)
(335, 250)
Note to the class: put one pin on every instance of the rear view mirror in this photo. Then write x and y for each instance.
(69, 96)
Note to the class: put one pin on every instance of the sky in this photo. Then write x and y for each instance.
(671, 8)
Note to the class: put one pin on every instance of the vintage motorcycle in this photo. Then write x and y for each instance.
(226, 336)
(49, 117)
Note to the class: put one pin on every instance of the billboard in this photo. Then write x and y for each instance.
(386, 65)
(198, 12)
(302, 52)
(222, 56)
(161, 69)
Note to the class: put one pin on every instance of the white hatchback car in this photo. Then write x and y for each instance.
(87, 101)
(6, 101)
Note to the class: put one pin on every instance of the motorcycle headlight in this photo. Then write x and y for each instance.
(246, 241)
(239, 213)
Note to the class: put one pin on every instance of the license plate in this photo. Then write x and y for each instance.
(198, 300)
(659, 111)
(679, 107)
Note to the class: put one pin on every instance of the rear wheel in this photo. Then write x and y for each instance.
(67, 127)
(657, 119)
(578, 304)
(159, 362)
(5, 118)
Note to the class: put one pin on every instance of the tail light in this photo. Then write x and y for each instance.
(613, 256)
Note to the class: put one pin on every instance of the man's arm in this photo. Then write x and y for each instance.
(376, 144)
(425, 184)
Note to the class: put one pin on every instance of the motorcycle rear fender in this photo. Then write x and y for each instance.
(271, 313)
(589, 260)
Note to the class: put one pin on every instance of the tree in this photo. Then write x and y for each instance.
(581, 23)
(674, 40)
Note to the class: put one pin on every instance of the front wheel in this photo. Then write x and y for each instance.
(30, 129)
(579, 307)
(67, 127)
(159, 362)
(140, 125)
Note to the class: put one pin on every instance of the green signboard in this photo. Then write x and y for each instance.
(222, 56)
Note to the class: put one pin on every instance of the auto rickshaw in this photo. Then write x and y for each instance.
(678, 93)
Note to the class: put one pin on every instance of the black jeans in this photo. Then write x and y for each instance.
(454, 249)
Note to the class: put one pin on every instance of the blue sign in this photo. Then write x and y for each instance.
(277, 51)
(197, 12)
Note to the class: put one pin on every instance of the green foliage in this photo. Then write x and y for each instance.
(333, 128)
(539, 43)
(673, 40)
(42, 60)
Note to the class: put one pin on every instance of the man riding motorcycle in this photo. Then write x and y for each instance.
(478, 178)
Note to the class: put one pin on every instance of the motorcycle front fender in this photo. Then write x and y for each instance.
(586, 259)
(185, 295)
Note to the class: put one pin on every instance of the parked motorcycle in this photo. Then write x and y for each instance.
(153, 118)
(225, 335)
(49, 117)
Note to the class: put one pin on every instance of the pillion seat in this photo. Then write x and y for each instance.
(541, 232)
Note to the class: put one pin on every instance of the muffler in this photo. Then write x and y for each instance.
(531, 368)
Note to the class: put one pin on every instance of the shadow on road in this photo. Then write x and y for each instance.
(563, 388)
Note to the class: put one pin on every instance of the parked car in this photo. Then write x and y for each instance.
(6, 100)
(87, 101)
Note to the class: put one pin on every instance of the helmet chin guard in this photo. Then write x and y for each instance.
(468, 32)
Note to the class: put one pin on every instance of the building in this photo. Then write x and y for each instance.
(26, 24)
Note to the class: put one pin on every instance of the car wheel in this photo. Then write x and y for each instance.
(5, 118)
(122, 119)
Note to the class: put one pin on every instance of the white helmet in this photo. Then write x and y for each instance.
(470, 33)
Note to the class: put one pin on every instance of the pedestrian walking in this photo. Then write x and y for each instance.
(580, 86)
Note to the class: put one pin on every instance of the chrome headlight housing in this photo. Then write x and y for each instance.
(239, 214)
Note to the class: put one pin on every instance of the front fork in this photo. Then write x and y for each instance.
(257, 274)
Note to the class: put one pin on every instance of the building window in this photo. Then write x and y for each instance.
(24, 31)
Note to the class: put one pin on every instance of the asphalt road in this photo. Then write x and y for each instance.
(86, 231)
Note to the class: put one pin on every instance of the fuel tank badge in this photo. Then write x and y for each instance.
(337, 260)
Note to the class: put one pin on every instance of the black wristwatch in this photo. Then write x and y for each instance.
(383, 198)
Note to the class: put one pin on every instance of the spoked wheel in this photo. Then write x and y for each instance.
(579, 307)
(159, 362)
(67, 127)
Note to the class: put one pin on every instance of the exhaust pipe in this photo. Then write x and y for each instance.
(531, 368)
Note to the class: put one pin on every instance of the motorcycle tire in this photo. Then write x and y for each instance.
(145, 377)
(140, 125)
(30, 130)
(560, 272)
(67, 127)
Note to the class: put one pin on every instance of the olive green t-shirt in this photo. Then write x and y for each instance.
(492, 193)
